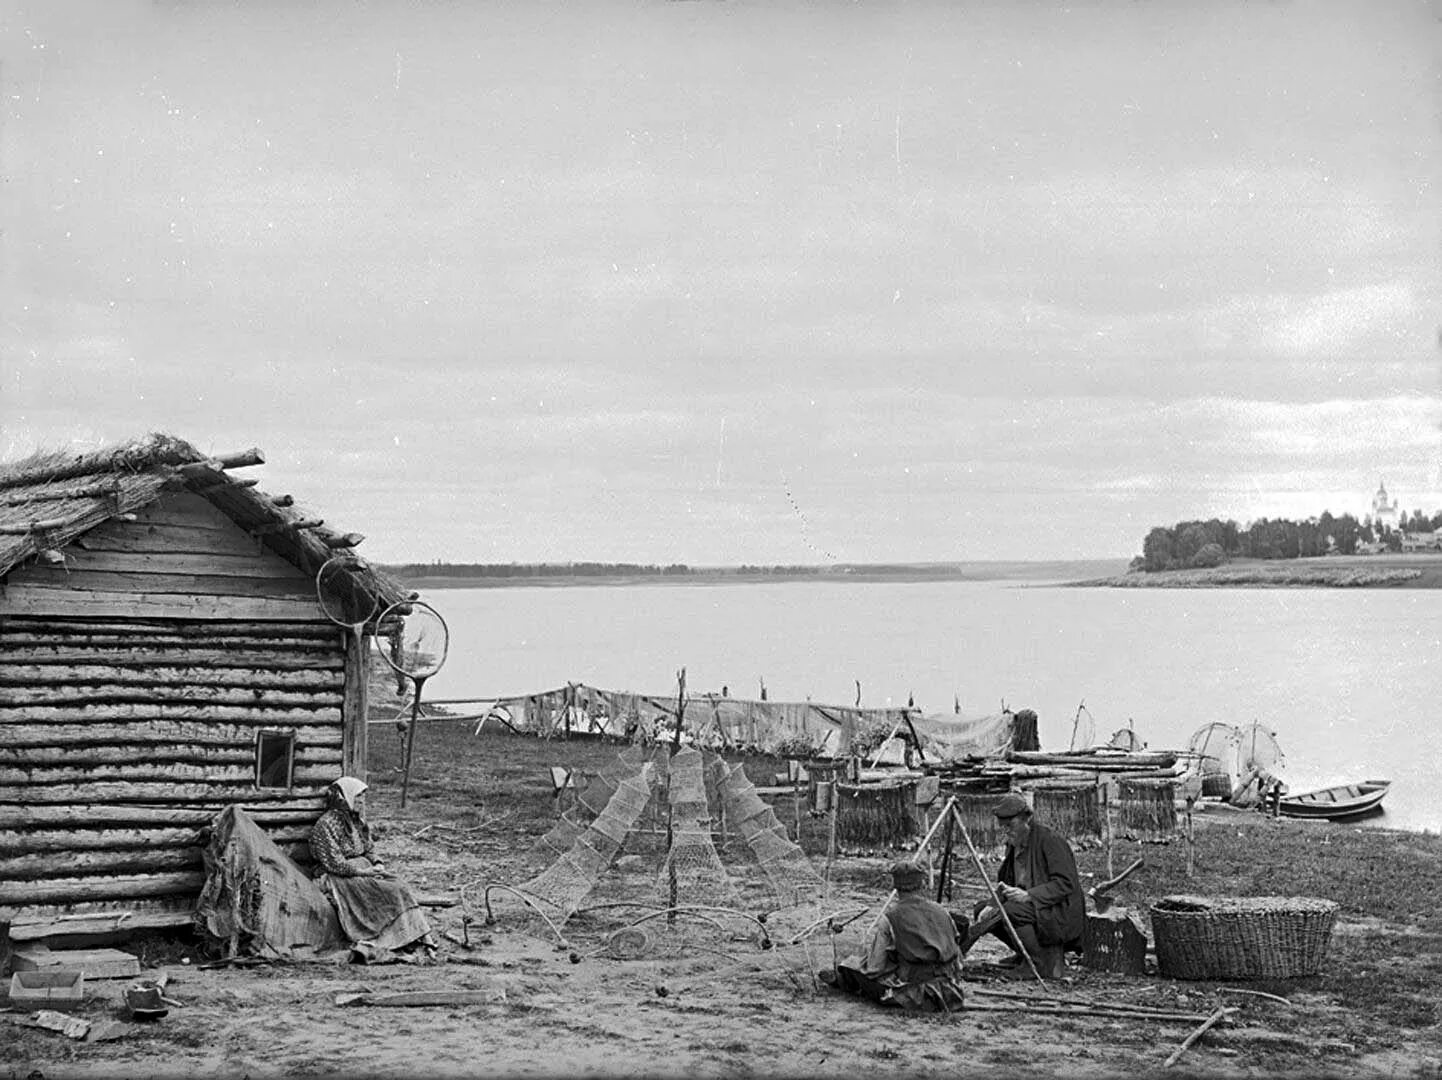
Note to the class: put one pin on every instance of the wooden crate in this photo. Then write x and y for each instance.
(54, 989)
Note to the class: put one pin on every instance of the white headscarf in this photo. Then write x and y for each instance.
(349, 787)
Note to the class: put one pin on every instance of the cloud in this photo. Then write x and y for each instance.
(1336, 322)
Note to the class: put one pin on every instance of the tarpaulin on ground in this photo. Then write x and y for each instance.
(256, 901)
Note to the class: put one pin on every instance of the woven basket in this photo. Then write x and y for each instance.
(1256, 937)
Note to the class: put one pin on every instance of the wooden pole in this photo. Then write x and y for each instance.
(941, 882)
(1106, 794)
(925, 840)
(1191, 843)
(1194, 1036)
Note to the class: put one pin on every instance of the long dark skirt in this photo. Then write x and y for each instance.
(377, 911)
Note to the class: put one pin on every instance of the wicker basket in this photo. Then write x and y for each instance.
(1256, 937)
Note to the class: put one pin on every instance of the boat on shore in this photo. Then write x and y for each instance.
(1337, 803)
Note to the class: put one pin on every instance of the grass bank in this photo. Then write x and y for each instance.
(1331, 572)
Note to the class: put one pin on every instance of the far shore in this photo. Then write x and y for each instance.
(1421, 571)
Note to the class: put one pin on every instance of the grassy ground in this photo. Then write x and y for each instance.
(709, 1003)
(1420, 571)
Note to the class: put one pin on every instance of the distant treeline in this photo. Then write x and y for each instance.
(440, 569)
(1211, 543)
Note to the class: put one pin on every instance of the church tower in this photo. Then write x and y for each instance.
(1384, 511)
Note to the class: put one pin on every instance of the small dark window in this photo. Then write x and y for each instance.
(274, 759)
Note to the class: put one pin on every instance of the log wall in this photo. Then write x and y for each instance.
(134, 681)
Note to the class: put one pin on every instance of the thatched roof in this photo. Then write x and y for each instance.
(50, 498)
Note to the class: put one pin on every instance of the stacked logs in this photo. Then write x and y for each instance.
(120, 739)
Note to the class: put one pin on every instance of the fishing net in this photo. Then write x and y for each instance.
(792, 878)
(876, 815)
(692, 863)
(1147, 808)
(568, 880)
(589, 805)
(1070, 808)
(1258, 750)
(418, 639)
(1214, 746)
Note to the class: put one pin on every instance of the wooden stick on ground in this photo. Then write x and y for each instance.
(1194, 1036)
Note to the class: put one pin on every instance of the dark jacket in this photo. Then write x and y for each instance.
(923, 931)
(1055, 887)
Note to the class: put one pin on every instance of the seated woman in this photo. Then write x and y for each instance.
(377, 912)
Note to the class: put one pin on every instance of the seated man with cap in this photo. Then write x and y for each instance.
(1040, 890)
(913, 959)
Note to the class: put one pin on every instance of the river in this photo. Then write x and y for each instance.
(1347, 679)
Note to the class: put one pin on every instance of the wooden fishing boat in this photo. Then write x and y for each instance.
(1336, 803)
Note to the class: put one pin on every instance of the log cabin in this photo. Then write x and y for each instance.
(164, 654)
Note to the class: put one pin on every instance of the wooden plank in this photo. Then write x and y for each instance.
(52, 864)
(75, 740)
(31, 782)
(134, 537)
(355, 707)
(40, 922)
(77, 696)
(25, 599)
(186, 508)
(104, 677)
(15, 842)
(220, 563)
(256, 713)
(118, 655)
(104, 887)
(166, 792)
(96, 815)
(319, 629)
(249, 585)
(29, 757)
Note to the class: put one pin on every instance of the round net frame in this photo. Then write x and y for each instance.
(419, 641)
(343, 600)
(1257, 748)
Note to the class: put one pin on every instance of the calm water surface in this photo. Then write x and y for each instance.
(1348, 680)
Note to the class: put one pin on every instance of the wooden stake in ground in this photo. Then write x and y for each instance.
(670, 826)
(1191, 843)
(1194, 1036)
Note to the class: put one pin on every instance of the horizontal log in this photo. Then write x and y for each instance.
(15, 842)
(86, 757)
(260, 713)
(42, 600)
(108, 887)
(28, 925)
(77, 739)
(319, 628)
(239, 585)
(325, 658)
(109, 486)
(31, 782)
(96, 815)
(148, 860)
(104, 677)
(163, 792)
(79, 696)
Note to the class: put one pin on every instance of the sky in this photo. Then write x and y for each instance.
(729, 281)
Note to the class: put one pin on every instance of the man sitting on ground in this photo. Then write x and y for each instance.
(913, 959)
(1040, 890)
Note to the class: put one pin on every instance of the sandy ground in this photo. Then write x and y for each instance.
(703, 999)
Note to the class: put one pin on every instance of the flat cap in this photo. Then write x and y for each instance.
(1009, 805)
(907, 875)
